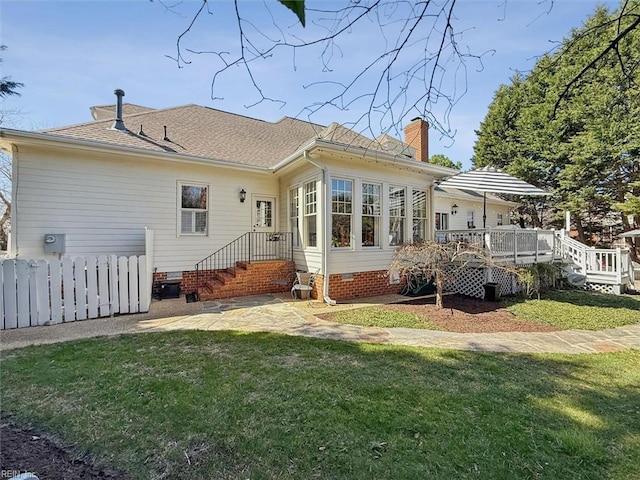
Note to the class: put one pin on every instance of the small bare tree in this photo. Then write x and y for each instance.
(444, 261)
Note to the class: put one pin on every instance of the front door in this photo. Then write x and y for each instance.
(264, 225)
(263, 216)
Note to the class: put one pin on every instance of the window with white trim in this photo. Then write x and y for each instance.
(470, 220)
(500, 220)
(294, 215)
(420, 216)
(397, 212)
(310, 214)
(194, 209)
(341, 212)
(371, 214)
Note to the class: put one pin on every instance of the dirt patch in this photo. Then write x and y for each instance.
(25, 449)
(465, 315)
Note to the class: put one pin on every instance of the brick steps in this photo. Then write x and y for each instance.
(247, 279)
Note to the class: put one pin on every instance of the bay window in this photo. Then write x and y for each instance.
(420, 216)
(310, 214)
(371, 213)
(294, 215)
(341, 212)
(397, 213)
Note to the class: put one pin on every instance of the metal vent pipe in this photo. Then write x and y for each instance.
(118, 124)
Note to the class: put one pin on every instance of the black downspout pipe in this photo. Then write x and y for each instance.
(484, 212)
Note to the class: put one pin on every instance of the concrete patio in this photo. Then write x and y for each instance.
(281, 314)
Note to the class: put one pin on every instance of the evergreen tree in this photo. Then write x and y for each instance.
(586, 148)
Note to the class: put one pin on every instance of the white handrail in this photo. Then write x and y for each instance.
(506, 243)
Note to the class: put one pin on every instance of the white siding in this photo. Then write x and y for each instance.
(103, 203)
(459, 221)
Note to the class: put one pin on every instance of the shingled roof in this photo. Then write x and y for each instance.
(202, 132)
(341, 135)
(214, 134)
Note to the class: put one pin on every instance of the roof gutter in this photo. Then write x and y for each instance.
(387, 158)
(325, 237)
(437, 171)
(20, 137)
(291, 159)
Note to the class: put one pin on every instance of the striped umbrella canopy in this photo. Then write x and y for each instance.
(491, 180)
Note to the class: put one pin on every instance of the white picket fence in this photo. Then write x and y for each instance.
(43, 292)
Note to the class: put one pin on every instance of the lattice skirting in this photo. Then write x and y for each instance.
(509, 284)
(596, 287)
(466, 281)
(602, 288)
(470, 281)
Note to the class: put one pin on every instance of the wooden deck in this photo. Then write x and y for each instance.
(608, 267)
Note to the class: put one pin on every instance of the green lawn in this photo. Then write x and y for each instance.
(379, 316)
(265, 406)
(572, 309)
(565, 310)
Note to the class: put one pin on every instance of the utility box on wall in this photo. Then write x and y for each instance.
(54, 243)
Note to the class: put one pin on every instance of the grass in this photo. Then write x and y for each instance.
(222, 405)
(571, 309)
(563, 309)
(379, 316)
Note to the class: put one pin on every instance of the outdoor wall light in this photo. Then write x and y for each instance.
(243, 195)
(454, 209)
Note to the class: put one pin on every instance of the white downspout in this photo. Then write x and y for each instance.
(432, 213)
(325, 231)
(12, 246)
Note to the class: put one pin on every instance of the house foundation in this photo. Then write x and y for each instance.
(255, 278)
(356, 285)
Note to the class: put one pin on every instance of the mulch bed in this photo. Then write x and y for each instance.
(25, 449)
(465, 315)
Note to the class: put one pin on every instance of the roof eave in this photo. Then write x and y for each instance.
(367, 155)
(291, 159)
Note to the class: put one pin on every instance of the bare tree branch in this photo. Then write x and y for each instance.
(416, 66)
(408, 72)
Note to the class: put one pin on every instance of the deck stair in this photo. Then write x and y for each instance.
(607, 270)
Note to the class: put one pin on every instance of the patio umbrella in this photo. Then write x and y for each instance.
(491, 180)
(631, 233)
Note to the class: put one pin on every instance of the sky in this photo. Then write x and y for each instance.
(72, 55)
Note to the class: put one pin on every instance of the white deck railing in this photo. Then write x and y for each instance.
(600, 265)
(520, 246)
(527, 246)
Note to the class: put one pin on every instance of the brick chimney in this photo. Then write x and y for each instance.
(416, 135)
